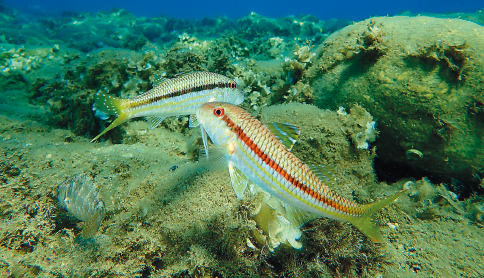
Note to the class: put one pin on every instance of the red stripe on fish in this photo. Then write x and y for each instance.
(335, 201)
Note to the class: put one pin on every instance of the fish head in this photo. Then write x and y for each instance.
(230, 92)
(219, 120)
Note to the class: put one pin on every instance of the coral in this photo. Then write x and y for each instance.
(181, 59)
(254, 25)
(277, 47)
(13, 80)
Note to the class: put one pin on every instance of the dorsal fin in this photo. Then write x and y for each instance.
(154, 121)
(326, 173)
(159, 81)
(286, 133)
(181, 74)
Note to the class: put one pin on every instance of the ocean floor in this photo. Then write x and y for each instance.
(168, 215)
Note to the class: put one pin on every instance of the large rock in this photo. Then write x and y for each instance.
(421, 77)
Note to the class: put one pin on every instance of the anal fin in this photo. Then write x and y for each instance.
(298, 216)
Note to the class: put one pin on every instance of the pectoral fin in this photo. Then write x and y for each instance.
(214, 157)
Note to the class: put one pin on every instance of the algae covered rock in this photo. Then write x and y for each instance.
(421, 77)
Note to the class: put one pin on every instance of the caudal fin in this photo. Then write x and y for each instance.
(112, 106)
(366, 225)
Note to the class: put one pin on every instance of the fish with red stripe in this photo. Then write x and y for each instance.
(262, 154)
(181, 95)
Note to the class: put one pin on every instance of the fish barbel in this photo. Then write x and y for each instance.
(181, 95)
(262, 154)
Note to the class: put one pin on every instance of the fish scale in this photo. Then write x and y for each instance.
(184, 84)
(177, 96)
(252, 133)
(252, 149)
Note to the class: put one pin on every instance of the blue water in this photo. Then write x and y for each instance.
(195, 9)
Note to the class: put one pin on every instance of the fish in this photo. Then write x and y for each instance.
(181, 95)
(262, 155)
(80, 196)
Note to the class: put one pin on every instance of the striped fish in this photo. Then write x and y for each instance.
(261, 154)
(177, 96)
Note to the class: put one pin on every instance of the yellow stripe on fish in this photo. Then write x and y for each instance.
(177, 96)
(261, 153)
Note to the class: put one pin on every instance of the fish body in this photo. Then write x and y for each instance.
(80, 196)
(177, 96)
(261, 153)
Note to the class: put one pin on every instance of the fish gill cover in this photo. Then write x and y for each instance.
(406, 102)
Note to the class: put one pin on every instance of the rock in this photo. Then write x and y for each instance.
(421, 77)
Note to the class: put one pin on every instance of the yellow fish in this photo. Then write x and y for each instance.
(177, 96)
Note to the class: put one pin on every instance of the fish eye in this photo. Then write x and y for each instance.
(232, 85)
(218, 111)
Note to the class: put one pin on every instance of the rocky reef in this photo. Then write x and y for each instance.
(388, 102)
(424, 84)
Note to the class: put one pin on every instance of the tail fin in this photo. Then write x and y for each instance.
(112, 106)
(365, 223)
(92, 225)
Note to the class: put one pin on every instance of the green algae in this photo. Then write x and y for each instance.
(183, 221)
(421, 85)
(161, 222)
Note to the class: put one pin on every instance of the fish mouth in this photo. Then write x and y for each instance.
(235, 98)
